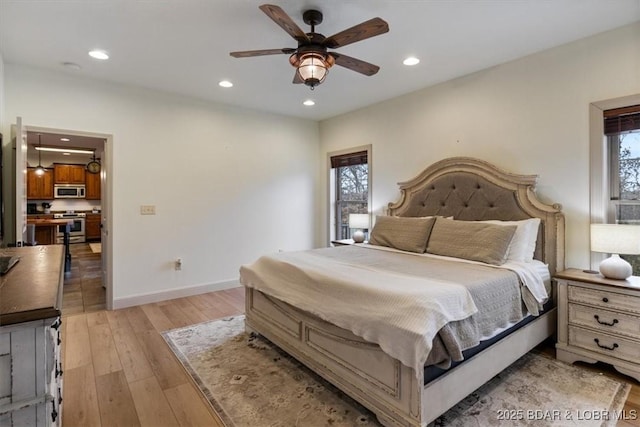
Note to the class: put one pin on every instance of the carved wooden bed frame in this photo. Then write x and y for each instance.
(468, 189)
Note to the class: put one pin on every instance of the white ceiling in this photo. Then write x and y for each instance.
(182, 46)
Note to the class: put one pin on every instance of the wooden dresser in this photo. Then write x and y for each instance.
(30, 363)
(599, 320)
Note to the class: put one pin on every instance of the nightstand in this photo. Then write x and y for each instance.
(343, 242)
(599, 320)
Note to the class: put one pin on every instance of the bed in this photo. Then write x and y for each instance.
(398, 393)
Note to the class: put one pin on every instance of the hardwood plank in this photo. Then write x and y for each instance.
(80, 405)
(176, 315)
(198, 302)
(151, 404)
(166, 368)
(97, 318)
(134, 362)
(103, 350)
(78, 348)
(157, 318)
(218, 307)
(190, 310)
(138, 319)
(115, 401)
(118, 319)
(188, 407)
(234, 297)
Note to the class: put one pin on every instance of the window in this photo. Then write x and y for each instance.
(350, 192)
(622, 131)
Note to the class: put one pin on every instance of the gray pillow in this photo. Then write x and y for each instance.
(404, 233)
(476, 241)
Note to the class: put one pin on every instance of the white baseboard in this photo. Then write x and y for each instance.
(140, 299)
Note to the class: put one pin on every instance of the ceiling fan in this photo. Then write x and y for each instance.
(311, 58)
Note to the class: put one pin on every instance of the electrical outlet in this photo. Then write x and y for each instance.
(147, 209)
(178, 264)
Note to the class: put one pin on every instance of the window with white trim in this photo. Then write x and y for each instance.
(622, 131)
(350, 192)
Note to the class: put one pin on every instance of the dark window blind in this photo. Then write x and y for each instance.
(351, 159)
(620, 120)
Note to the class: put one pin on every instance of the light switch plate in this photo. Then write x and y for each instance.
(147, 210)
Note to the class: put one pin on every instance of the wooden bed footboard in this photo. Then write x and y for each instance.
(381, 383)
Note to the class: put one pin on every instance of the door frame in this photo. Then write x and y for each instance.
(106, 204)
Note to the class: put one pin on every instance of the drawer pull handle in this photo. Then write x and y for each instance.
(605, 299)
(595, 316)
(613, 347)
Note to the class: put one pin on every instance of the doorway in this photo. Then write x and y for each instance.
(57, 149)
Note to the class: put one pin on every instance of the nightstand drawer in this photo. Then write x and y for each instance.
(609, 345)
(610, 322)
(605, 299)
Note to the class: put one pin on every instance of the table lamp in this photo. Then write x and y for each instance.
(615, 239)
(360, 222)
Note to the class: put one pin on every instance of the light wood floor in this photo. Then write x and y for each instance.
(83, 291)
(118, 371)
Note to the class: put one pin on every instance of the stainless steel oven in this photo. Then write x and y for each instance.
(76, 227)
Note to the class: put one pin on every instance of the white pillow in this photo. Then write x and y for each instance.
(523, 244)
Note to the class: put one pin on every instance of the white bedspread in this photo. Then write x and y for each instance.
(401, 313)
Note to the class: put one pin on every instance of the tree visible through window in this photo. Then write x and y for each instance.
(352, 189)
(622, 127)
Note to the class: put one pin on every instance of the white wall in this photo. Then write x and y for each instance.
(228, 184)
(527, 116)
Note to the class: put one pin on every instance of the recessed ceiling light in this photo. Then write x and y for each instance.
(66, 154)
(225, 83)
(65, 139)
(309, 102)
(412, 60)
(98, 54)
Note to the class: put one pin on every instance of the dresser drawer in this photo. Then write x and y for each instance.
(605, 299)
(610, 322)
(609, 345)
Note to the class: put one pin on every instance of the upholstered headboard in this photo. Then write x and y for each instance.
(471, 189)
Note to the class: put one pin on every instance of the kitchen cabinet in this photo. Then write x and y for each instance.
(46, 230)
(92, 226)
(39, 187)
(68, 174)
(92, 184)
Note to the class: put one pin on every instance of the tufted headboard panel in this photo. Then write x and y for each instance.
(471, 189)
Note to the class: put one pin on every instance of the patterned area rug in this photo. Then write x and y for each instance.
(250, 382)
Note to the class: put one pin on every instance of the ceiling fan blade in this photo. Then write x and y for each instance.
(281, 18)
(354, 64)
(249, 53)
(371, 28)
(297, 79)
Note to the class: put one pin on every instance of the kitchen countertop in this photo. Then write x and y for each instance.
(46, 221)
(32, 289)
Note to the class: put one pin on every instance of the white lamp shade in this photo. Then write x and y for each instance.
(615, 238)
(360, 221)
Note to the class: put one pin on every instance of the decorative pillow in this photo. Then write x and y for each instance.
(523, 245)
(471, 240)
(404, 233)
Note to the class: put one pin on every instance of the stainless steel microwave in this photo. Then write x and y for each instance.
(69, 191)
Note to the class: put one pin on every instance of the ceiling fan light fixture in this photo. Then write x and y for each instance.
(312, 67)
